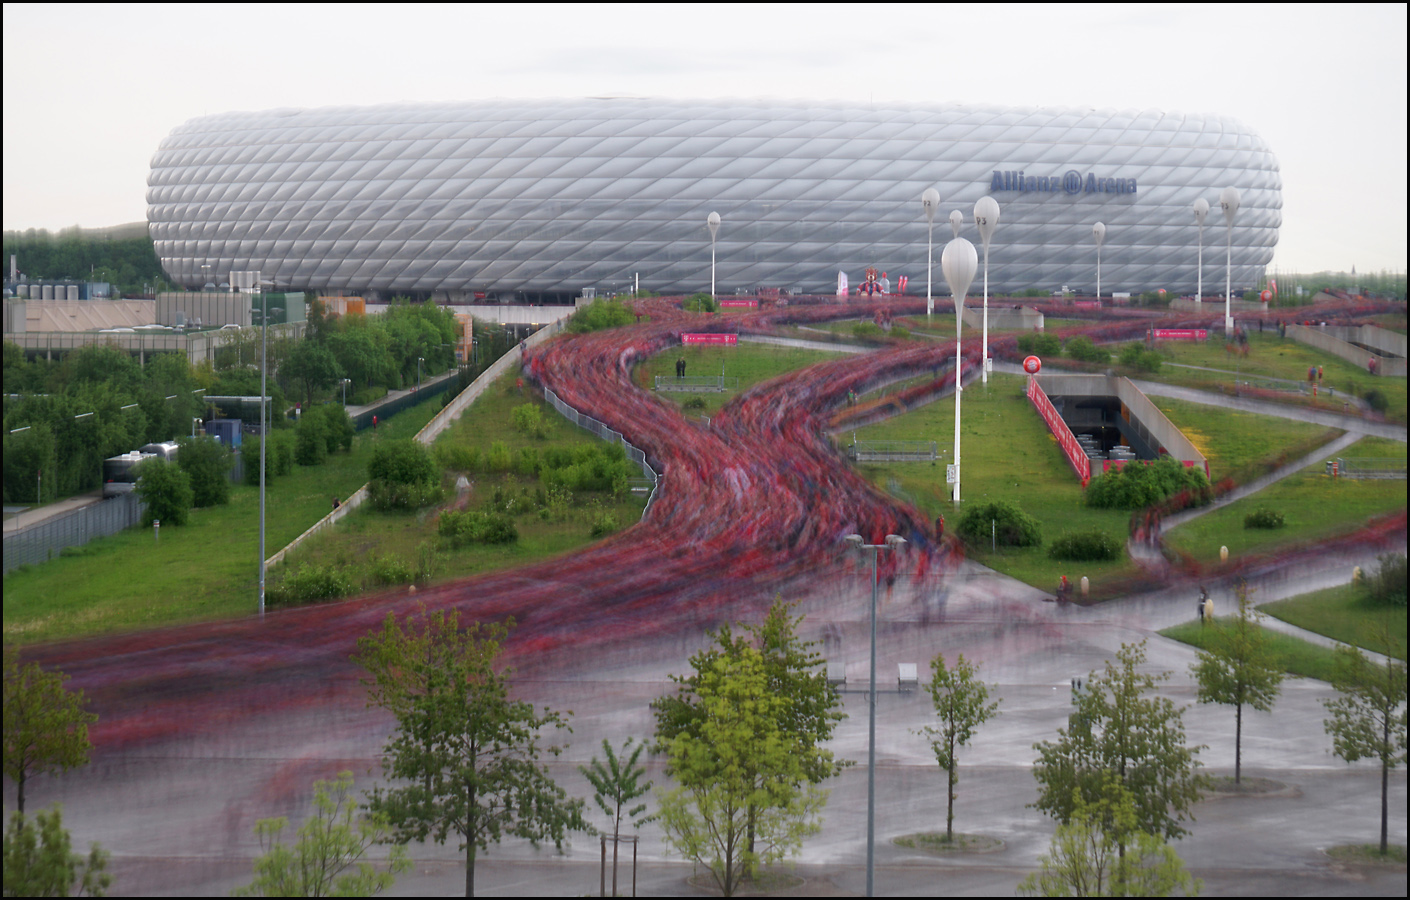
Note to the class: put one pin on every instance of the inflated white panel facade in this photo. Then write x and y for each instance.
(554, 196)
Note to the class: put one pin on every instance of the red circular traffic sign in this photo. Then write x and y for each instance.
(1032, 364)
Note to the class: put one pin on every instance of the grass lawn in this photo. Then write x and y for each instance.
(1345, 614)
(368, 536)
(1273, 357)
(1233, 440)
(207, 569)
(1296, 656)
(1313, 505)
(750, 363)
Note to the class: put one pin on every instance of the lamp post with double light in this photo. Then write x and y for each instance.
(1201, 213)
(986, 218)
(959, 261)
(893, 541)
(712, 222)
(930, 202)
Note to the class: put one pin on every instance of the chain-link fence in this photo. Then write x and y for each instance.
(891, 451)
(43, 541)
(610, 435)
(1370, 467)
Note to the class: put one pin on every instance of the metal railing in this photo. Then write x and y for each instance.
(891, 451)
(611, 435)
(1370, 467)
(43, 541)
(697, 383)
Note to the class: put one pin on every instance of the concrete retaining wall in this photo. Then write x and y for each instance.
(1154, 428)
(1334, 340)
(1007, 318)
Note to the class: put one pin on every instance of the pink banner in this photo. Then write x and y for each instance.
(1086, 304)
(749, 303)
(1073, 450)
(1181, 334)
(709, 339)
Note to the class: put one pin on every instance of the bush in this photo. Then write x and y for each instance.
(456, 457)
(1388, 584)
(338, 428)
(386, 495)
(390, 570)
(699, 303)
(694, 403)
(311, 583)
(1039, 344)
(166, 490)
(600, 314)
(866, 331)
(1263, 518)
(281, 450)
(475, 527)
(1004, 522)
(604, 523)
(311, 441)
(1086, 546)
(1136, 356)
(368, 395)
(402, 462)
(1081, 348)
(207, 462)
(1136, 485)
(499, 458)
(528, 419)
(900, 332)
(1376, 400)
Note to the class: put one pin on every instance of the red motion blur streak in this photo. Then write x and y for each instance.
(749, 505)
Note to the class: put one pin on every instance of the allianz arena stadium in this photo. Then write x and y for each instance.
(536, 199)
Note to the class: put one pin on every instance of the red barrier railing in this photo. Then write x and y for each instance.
(1065, 438)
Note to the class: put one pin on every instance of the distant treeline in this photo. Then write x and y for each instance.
(123, 256)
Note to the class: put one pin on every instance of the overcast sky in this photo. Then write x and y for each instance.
(91, 90)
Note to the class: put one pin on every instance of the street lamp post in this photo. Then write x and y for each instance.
(986, 217)
(712, 222)
(1201, 212)
(929, 201)
(956, 223)
(1099, 235)
(419, 361)
(1229, 202)
(958, 262)
(263, 429)
(893, 541)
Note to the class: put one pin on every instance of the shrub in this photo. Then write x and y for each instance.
(386, 495)
(604, 522)
(281, 452)
(1263, 518)
(311, 583)
(368, 395)
(338, 428)
(866, 331)
(1039, 344)
(1081, 348)
(402, 462)
(1388, 584)
(1136, 485)
(310, 441)
(390, 570)
(1136, 356)
(456, 457)
(600, 314)
(499, 459)
(1376, 399)
(693, 403)
(207, 462)
(166, 490)
(1086, 546)
(900, 332)
(701, 302)
(528, 419)
(1002, 521)
(476, 527)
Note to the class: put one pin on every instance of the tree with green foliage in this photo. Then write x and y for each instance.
(338, 428)
(741, 772)
(207, 461)
(600, 314)
(314, 366)
(1101, 852)
(468, 754)
(1120, 727)
(46, 725)
(794, 670)
(617, 783)
(39, 859)
(1368, 717)
(329, 858)
(311, 440)
(961, 702)
(28, 454)
(166, 489)
(1239, 668)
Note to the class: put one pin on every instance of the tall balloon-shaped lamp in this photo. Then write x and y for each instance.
(1201, 213)
(1099, 235)
(986, 218)
(958, 261)
(1229, 202)
(930, 201)
(713, 223)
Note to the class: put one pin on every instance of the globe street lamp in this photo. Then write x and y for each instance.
(956, 222)
(986, 217)
(1099, 235)
(929, 201)
(712, 221)
(1201, 212)
(893, 541)
(1229, 202)
(958, 262)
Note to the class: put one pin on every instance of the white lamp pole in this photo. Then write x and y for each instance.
(930, 201)
(956, 222)
(893, 541)
(1201, 212)
(986, 217)
(959, 261)
(1229, 202)
(1099, 235)
(713, 222)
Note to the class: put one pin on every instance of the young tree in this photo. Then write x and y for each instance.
(1239, 668)
(207, 462)
(1368, 719)
(470, 754)
(961, 703)
(794, 670)
(1101, 853)
(166, 490)
(1119, 728)
(741, 772)
(330, 857)
(616, 784)
(40, 862)
(46, 726)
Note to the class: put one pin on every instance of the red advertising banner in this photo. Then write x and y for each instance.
(1181, 334)
(1086, 304)
(1070, 448)
(747, 303)
(710, 339)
